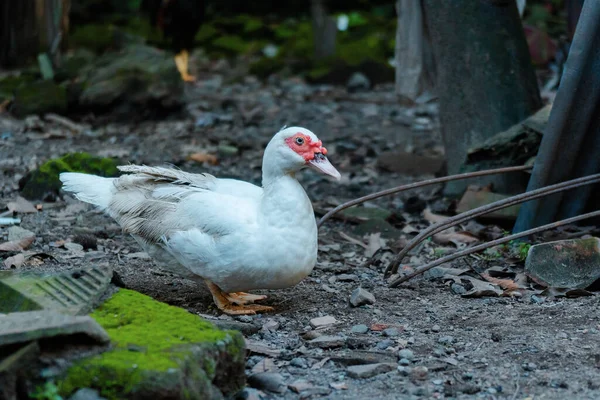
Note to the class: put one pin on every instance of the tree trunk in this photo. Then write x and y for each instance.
(415, 65)
(486, 82)
(19, 34)
(324, 30)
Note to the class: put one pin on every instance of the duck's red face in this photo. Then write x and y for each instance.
(313, 153)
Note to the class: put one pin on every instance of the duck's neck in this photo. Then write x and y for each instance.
(285, 203)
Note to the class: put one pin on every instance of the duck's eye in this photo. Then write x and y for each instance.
(299, 141)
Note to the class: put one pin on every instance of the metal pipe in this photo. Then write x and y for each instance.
(415, 185)
(497, 205)
(493, 243)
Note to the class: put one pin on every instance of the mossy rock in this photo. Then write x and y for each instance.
(74, 64)
(44, 181)
(39, 98)
(158, 352)
(138, 77)
(95, 37)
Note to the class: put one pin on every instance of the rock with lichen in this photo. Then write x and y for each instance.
(158, 351)
(44, 183)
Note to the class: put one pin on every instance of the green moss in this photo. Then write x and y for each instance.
(40, 97)
(148, 338)
(95, 37)
(45, 179)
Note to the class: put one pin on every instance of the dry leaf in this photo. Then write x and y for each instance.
(353, 240)
(320, 364)
(15, 261)
(374, 243)
(17, 245)
(204, 157)
(433, 218)
(507, 284)
(20, 205)
(457, 238)
(476, 287)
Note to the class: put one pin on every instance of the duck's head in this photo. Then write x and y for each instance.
(295, 148)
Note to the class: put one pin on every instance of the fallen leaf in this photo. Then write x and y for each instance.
(204, 157)
(459, 239)
(353, 240)
(374, 243)
(20, 205)
(17, 245)
(15, 261)
(476, 287)
(379, 327)
(433, 218)
(507, 284)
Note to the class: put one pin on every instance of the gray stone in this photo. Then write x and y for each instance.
(326, 342)
(369, 370)
(347, 278)
(571, 263)
(384, 344)
(24, 327)
(446, 340)
(86, 394)
(361, 297)
(435, 328)
(419, 373)
(17, 233)
(268, 381)
(359, 329)
(404, 361)
(391, 332)
(321, 322)
(406, 353)
(299, 362)
(358, 82)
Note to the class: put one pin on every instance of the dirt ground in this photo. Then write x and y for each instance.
(512, 347)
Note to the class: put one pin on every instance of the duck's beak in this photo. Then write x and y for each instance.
(321, 164)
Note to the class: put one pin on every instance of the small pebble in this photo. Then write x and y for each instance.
(407, 354)
(321, 322)
(361, 297)
(299, 362)
(436, 328)
(419, 373)
(404, 371)
(384, 344)
(446, 340)
(529, 366)
(404, 362)
(437, 382)
(362, 328)
(391, 332)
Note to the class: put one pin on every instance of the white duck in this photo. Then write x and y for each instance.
(231, 234)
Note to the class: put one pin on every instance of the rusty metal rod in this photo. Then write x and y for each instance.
(392, 268)
(493, 243)
(415, 185)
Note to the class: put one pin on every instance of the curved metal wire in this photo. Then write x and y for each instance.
(392, 268)
(415, 185)
(493, 243)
